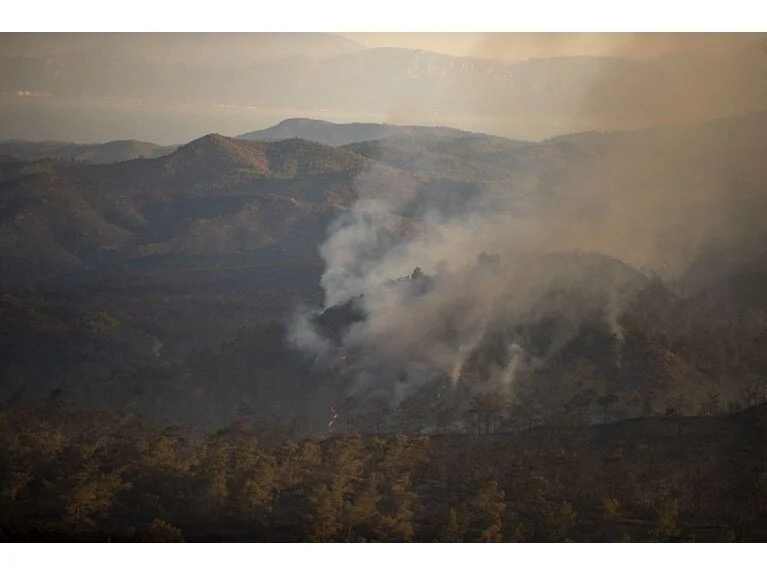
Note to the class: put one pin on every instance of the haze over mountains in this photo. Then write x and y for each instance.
(320, 131)
(414, 168)
(513, 292)
(107, 153)
(211, 79)
(143, 244)
(341, 134)
(221, 235)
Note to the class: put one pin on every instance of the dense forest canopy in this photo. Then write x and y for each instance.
(95, 476)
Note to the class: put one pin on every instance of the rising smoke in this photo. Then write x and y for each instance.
(488, 276)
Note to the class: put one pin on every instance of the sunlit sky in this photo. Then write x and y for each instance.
(520, 46)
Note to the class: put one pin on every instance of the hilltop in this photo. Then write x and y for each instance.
(335, 134)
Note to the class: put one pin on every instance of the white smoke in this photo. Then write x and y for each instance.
(422, 327)
(629, 196)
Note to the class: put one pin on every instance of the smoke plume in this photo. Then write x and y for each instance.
(556, 241)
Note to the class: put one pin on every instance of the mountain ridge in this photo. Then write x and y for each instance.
(341, 134)
(96, 153)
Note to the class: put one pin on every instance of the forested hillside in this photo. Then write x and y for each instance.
(90, 476)
(430, 336)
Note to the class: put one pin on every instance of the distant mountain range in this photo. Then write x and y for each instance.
(117, 151)
(99, 262)
(319, 131)
(569, 93)
(114, 211)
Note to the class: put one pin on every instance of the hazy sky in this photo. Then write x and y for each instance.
(170, 88)
(510, 46)
(519, 46)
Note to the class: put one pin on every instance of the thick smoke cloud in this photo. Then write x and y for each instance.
(424, 326)
(628, 81)
(488, 274)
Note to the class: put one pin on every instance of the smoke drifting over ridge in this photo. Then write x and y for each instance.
(488, 274)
